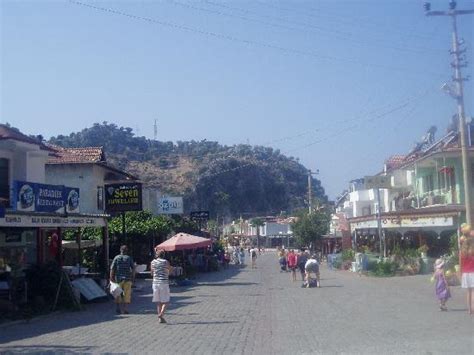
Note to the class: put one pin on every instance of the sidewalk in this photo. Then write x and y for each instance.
(261, 311)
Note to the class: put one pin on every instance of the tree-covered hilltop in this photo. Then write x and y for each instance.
(226, 180)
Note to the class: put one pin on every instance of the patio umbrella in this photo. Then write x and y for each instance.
(183, 241)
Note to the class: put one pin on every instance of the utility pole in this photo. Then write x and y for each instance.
(310, 190)
(457, 64)
(155, 131)
(310, 194)
(379, 226)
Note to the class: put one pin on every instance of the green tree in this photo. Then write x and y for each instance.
(141, 224)
(309, 227)
(257, 223)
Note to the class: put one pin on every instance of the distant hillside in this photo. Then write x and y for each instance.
(226, 180)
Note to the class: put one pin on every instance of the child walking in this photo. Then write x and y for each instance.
(441, 285)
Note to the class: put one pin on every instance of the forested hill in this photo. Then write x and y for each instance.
(226, 180)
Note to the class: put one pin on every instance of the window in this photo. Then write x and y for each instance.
(446, 179)
(100, 198)
(4, 182)
(428, 183)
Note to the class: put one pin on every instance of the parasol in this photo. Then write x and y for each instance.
(182, 241)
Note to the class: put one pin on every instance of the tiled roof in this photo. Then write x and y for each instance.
(76, 155)
(447, 143)
(395, 161)
(7, 132)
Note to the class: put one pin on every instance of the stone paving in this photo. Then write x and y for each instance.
(261, 311)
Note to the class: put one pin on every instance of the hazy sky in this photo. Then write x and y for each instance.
(342, 85)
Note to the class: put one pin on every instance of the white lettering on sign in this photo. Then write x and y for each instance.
(50, 193)
(35, 221)
(415, 222)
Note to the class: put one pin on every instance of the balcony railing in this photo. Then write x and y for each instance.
(437, 197)
(430, 198)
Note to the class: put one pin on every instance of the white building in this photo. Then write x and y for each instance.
(87, 169)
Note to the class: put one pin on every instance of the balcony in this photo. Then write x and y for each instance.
(437, 197)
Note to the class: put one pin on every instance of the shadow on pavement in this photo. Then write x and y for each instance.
(105, 312)
(226, 284)
(457, 309)
(46, 349)
(56, 323)
(203, 322)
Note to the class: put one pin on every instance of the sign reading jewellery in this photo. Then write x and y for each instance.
(123, 197)
(35, 197)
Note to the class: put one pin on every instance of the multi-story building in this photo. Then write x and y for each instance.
(423, 204)
(34, 211)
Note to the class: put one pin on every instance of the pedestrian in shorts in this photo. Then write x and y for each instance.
(122, 271)
(160, 270)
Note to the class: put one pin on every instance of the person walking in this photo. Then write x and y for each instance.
(242, 256)
(160, 270)
(122, 272)
(301, 262)
(441, 285)
(467, 271)
(292, 264)
(253, 256)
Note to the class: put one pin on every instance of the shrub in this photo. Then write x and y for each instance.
(385, 268)
(348, 255)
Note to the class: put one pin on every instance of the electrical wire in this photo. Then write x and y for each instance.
(285, 50)
(341, 35)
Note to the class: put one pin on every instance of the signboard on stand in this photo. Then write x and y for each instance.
(200, 215)
(170, 205)
(123, 197)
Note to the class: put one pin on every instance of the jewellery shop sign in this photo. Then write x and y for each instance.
(35, 197)
(123, 197)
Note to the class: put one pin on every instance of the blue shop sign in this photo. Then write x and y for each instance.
(72, 199)
(34, 197)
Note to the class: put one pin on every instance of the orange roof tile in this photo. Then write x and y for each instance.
(76, 155)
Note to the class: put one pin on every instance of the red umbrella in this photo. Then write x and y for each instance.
(182, 241)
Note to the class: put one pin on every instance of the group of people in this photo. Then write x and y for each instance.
(307, 265)
(237, 255)
(122, 272)
(442, 290)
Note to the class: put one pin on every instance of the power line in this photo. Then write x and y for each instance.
(341, 35)
(338, 18)
(285, 50)
(367, 117)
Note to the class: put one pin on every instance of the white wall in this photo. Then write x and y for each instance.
(83, 176)
(272, 228)
(19, 166)
(35, 167)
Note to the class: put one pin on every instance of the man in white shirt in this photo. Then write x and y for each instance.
(312, 267)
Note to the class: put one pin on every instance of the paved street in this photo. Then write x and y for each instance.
(261, 311)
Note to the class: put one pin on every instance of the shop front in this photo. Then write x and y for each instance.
(28, 238)
(421, 231)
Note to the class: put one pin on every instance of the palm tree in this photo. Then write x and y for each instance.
(257, 223)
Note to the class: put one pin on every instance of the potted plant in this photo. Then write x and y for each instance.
(423, 250)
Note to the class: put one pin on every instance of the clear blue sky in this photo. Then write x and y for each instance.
(342, 85)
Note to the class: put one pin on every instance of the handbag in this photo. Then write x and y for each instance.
(115, 289)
